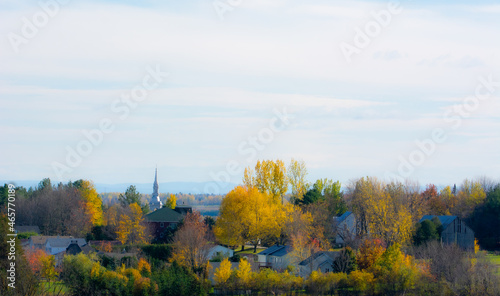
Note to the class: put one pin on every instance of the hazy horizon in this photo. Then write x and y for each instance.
(353, 88)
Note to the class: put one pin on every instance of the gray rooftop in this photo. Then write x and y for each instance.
(343, 217)
(277, 250)
(445, 220)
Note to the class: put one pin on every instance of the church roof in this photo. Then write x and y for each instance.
(164, 214)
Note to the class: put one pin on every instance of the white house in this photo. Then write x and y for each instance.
(276, 257)
(54, 244)
(220, 251)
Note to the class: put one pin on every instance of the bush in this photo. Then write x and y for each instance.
(161, 252)
(26, 235)
(178, 280)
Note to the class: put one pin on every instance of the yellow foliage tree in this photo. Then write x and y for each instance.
(171, 202)
(297, 173)
(244, 273)
(270, 178)
(131, 228)
(223, 273)
(247, 215)
(471, 195)
(381, 214)
(92, 201)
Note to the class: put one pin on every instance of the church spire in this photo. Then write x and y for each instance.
(155, 185)
(155, 197)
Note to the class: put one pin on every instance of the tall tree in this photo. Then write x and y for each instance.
(191, 246)
(247, 215)
(131, 227)
(92, 201)
(380, 211)
(297, 173)
(470, 196)
(270, 178)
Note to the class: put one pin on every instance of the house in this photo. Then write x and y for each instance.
(345, 227)
(221, 251)
(276, 257)
(455, 231)
(54, 244)
(163, 219)
(321, 261)
(74, 248)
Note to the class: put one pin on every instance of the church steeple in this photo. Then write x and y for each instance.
(155, 197)
(155, 185)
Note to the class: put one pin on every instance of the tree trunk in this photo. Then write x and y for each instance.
(254, 249)
(243, 247)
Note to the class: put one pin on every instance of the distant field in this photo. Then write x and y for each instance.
(495, 259)
(207, 210)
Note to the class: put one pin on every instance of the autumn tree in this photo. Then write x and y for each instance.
(131, 196)
(26, 283)
(369, 252)
(244, 273)
(380, 210)
(131, 227)
(171, 202)
(435, 202)
(222, 274)
(92, 201)
(449, 196)
(297, 173)
(247, 215)
(191, 246)
(269, 177)
(303, 247)
(56, 210)
(470, 196)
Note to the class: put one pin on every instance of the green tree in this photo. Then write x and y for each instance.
(425, 231)
(312, 195)
(133, 196)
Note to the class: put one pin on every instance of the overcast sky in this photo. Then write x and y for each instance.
(347, 86)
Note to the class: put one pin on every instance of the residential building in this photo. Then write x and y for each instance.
(320, 261)
(221, 251)
(162, 220)
(345, 228)
(455, 231)
(276, 257)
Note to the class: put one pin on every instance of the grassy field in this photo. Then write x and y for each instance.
(495, 259)
(248, 250)
(212, 210)
(54, 288)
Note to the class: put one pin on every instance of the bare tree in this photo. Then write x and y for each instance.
(191, 244)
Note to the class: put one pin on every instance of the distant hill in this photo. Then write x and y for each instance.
(172, 187)
(147, 188)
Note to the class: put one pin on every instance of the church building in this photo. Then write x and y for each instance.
(155, 203)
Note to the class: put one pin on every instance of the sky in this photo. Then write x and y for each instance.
(109, 90)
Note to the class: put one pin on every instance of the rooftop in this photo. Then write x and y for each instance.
(164, 214)
(445, 220)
